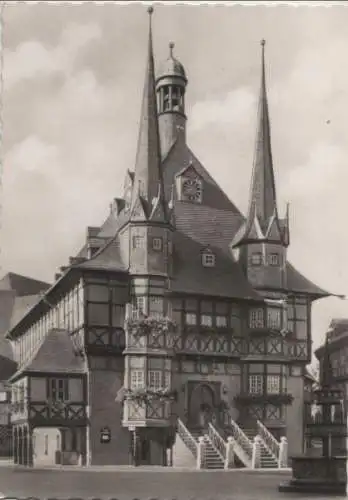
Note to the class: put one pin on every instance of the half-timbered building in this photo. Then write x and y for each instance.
(337, 345)
(179, 316)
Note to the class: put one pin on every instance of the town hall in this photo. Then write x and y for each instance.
(179, 319)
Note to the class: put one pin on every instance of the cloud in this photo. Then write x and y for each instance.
(232, 109)
(325, 169)
(31, 59)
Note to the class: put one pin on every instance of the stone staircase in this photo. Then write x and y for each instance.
(233, 446)
(268, 461)
(212, 457)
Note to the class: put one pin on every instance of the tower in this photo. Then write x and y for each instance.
(148, 353)
(261, 243)
(170, 87)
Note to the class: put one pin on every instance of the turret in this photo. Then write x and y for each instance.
(170, 87)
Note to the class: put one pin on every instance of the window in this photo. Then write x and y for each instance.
(155, 380)
(138, 242)
(206, 320)
(256, 259)
(208, 259)
(190, 319)
(139, 304)
(255, 384)
(273, 259)
(157, 244)
(256, 318)
(221, 321)
(137, 379)
(156, 306)
(273, 384)
(274, 318)
(3, 397)
(58, 389)
(46, 444)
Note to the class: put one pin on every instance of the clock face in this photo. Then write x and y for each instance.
(192, 189)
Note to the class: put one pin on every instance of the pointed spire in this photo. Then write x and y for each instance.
(148, 182)
(263, 193)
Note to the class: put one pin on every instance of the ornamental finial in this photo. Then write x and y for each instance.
(150, 10)
(263, 42)
(171, 47)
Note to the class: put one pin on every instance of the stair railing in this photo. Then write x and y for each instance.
(269, 440)
(217, 441)
(187, 438)
(242, 439)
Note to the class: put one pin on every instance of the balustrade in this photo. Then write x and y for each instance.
(219, 344)
(269, 440)
(187, 438)
(242, 440)
(217, 441)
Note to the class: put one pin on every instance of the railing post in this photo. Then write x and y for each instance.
(283, 453)
(200, 453)
(229, 460)
(256, 456)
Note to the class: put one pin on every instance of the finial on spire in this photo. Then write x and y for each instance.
(171, 47)
(263, 42)
(150, 10)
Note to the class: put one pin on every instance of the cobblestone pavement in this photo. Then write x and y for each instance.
(129, 484)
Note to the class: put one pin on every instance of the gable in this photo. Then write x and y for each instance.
(177, 161)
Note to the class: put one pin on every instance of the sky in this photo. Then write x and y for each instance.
(73, 77)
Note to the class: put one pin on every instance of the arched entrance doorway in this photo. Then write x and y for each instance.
(202, 407)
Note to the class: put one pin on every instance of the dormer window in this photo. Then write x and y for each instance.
(208, 259)
(256, 259)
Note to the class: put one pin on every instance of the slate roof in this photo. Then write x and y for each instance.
(225, 279)
(298, 283)
(22, 306)
(22, 285)
(17, 295)
(55, 355)
(213, 223)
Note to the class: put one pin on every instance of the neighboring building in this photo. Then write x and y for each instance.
(337, 336)
(17, 294)
(175, 246)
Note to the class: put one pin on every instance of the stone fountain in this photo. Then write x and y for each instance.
(323, 470)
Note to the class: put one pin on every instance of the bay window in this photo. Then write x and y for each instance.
(58, 389)
(256, 318)
(274, 318)
(255, 384)
(266, 379)
(156, 306)
(206, 320)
